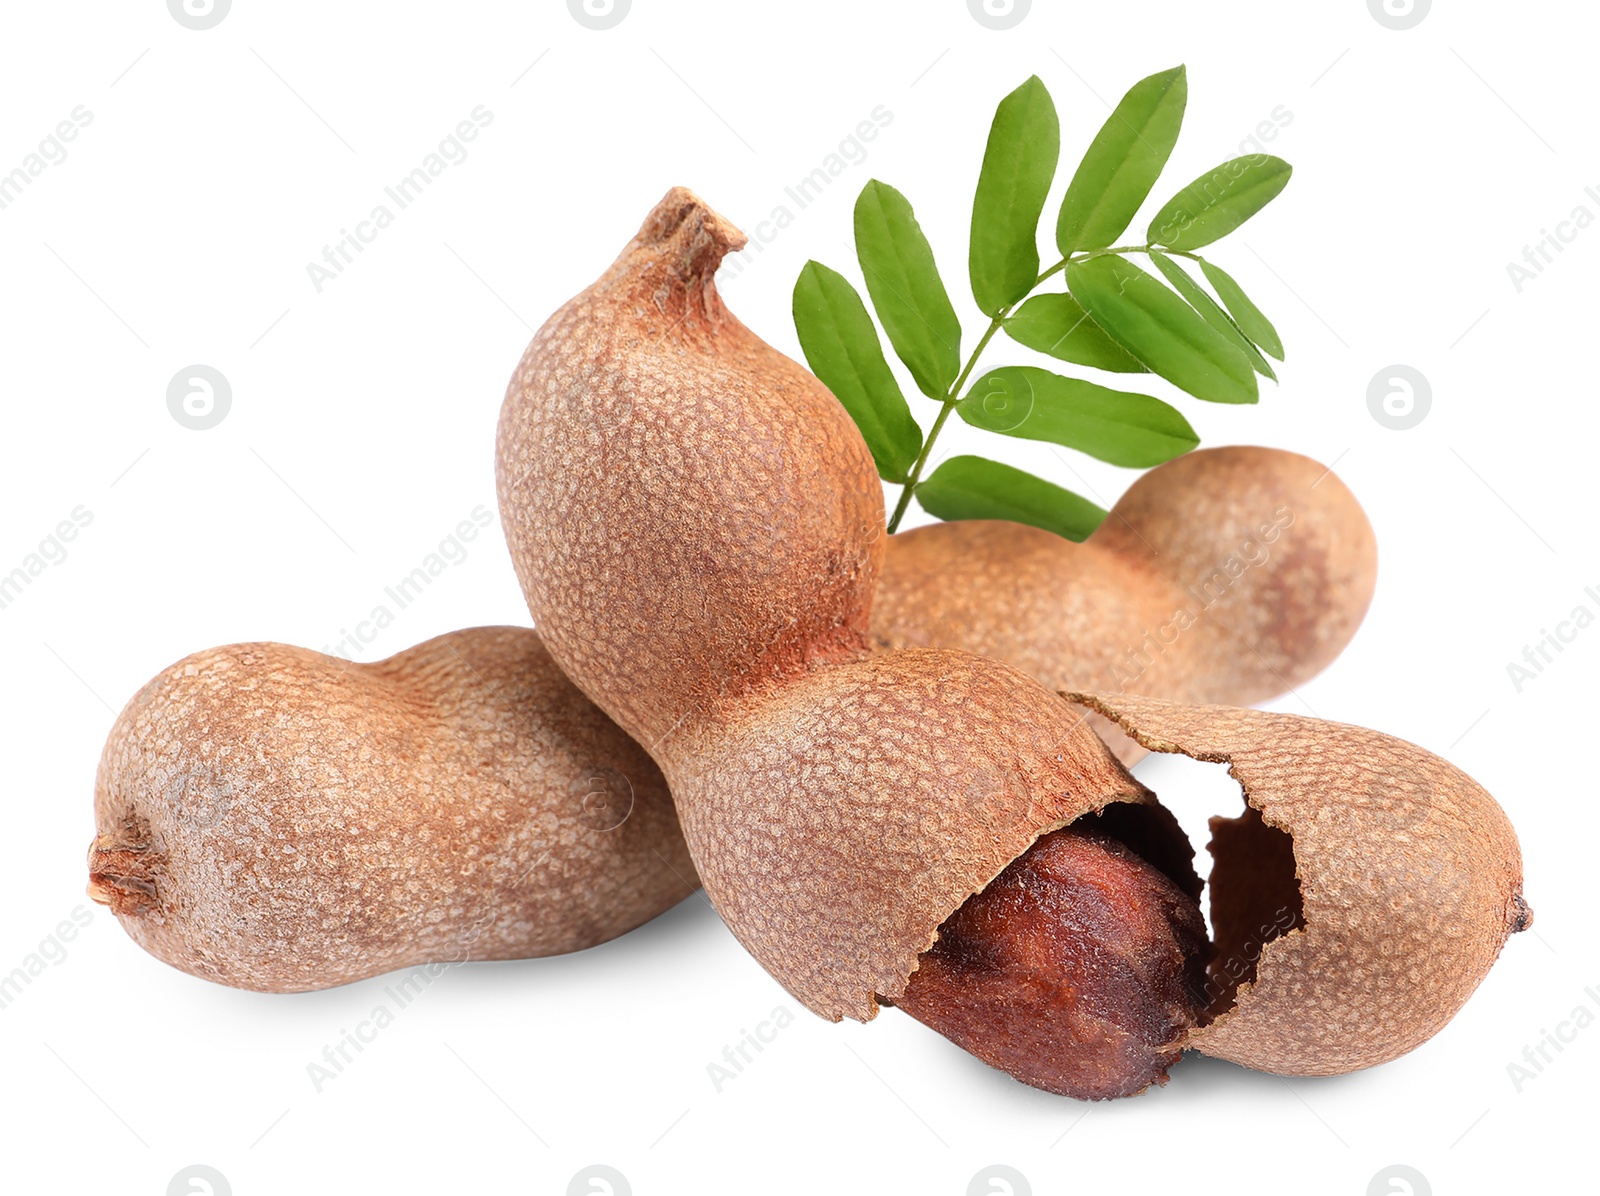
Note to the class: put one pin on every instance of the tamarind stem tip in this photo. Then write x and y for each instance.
(685, 227)
(1521, 913)
(121, 876)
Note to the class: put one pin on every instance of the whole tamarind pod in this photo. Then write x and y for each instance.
(276, 819)
(1226, 576)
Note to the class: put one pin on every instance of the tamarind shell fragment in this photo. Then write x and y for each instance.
(1408, 879)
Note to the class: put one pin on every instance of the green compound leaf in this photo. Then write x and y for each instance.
(973, 488)
(1251, 322)
(1161, 330)
(1203, 303)
(1132, 430)
(842, 348)
(1219, 201)
(907, 292)
(1122, 163)
(1018, 164)
(1058, 325)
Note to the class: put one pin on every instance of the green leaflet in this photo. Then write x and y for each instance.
(1204, 336)
(1018, 164)
(1251, 322)
(1203, 303)
(972, 488)
(907, 292)
(1132, 430)
(1122, 163)
(1161, 330)
(1057, 324)
(1219, 201)
(842, 348)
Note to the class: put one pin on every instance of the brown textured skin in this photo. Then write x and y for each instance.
(697, 526)
(1228, 576)
(1410, 880)
(1078, 970)
(276, 819)
(693, 515)
(843, 819)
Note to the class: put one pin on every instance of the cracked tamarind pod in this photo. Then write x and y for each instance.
(275, 819)
(698, 527)
(1356, 904)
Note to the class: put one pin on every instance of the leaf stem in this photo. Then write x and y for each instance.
(952, 395)
(950, 398)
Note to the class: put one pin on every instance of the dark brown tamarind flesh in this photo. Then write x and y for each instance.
(1076, 970)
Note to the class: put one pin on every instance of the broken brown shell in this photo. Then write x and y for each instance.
(1359, 901)
(276, 819)
(697, 526)
(1227, 575)
(840, 823)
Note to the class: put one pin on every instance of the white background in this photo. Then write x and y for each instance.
(178, 230)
